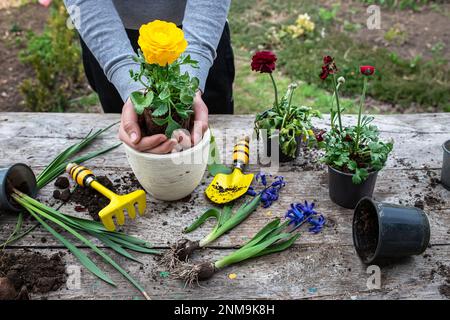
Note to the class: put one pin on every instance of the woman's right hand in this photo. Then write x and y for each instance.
(130, 133)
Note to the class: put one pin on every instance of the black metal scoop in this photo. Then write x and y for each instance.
(19, 176)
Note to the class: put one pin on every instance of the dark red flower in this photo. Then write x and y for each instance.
(327, 60)
(264, 61)
(319, 135)
(324, 74)
(348, 138)
(329, 67)
(367, 70)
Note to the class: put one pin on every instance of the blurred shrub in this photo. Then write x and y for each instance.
(55, 58)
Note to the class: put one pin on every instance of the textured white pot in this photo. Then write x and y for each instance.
(170, 176)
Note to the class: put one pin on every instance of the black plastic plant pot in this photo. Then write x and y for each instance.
(344, 192)
(445, 176)
(19, 176)
(384, 231)
(283, 157)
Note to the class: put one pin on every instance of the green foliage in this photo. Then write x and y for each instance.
(354, 149)
(291, 121)
(55, 59)
(341, 151)
(167, 91)
(328, 16)
(226, 220)
(273, 237)
(400, 4)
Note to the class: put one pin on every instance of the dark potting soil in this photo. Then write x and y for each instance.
(62, 183)
(366, 225)
(148, 127)
(33, 271)
(89, 200)
(444, 272)
(429, 196)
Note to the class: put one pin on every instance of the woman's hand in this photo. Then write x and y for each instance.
(200, 118)
(130, 132)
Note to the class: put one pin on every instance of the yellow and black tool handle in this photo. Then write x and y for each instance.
(241, 152)
(81, 175)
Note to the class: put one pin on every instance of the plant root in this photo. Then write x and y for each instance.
(180, 252)
(193, 273)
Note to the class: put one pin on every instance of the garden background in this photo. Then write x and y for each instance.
(42, 70)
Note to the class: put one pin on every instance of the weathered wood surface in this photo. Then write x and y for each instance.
(318, 266)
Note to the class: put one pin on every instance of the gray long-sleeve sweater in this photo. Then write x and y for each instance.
(102, 26)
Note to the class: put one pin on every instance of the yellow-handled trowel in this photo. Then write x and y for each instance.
(228, 187)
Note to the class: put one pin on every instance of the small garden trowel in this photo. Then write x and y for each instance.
(85, 177)
(228, 187)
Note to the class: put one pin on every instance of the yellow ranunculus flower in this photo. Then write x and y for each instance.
(161, 42)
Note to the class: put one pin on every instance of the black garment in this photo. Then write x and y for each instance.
(218, 94)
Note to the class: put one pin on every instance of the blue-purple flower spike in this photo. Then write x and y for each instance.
(301, 213)
(270, 193)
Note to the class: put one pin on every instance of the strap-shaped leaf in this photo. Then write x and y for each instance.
(210, 213)
(278, 247)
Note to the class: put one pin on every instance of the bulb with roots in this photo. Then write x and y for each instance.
(180, 252)
(190, 273)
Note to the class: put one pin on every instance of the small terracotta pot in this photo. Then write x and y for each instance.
(171, 176)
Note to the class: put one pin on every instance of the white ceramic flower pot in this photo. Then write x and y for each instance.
(171, 176)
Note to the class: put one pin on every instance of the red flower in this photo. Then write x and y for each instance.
(319, 135)
(264, 61)
(367, 70)
(327, 60)
(329, 67)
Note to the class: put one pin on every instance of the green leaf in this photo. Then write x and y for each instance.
(171, 127)
(141, 100)
(210, 213)
(114, 246)
(278, 247)
(217, 168)
(165, 94)
(161, 110)
(160, 122)
(186, 98)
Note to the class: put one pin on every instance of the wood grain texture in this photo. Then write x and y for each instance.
(322, 266)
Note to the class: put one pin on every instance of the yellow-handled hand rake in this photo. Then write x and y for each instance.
(86, 178)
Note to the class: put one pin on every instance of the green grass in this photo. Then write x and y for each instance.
(397, 81)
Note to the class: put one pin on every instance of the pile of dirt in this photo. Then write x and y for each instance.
(429, 197)
(31, 272)
(88, 200)
(444, 272)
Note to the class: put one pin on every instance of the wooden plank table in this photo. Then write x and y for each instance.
(323, 266)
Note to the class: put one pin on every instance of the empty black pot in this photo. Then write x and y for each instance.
(445, 176)
(282, 157)
(382, 230)
(344, 192)
(19, 176)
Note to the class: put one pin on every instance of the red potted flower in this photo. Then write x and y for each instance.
(292, 124)
(354, 154)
